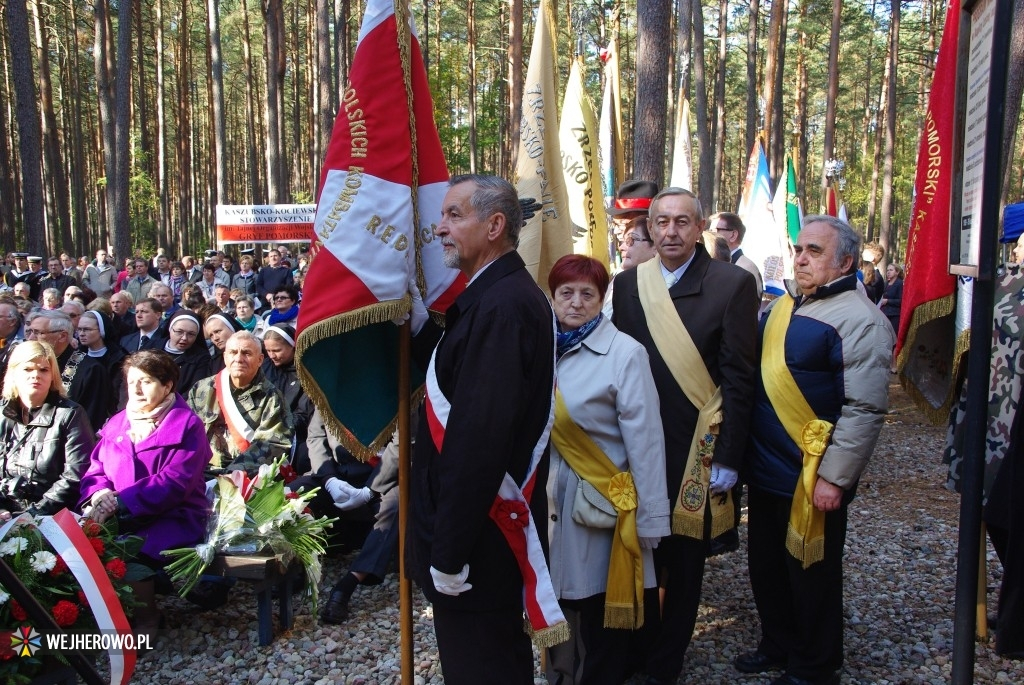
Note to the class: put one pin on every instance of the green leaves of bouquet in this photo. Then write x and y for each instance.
(257, 515)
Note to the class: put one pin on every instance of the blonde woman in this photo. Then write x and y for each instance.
(45, 438)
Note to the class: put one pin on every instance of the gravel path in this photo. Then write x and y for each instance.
(900, 574)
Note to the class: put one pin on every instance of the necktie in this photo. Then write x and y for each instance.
(145, 342)
(670, 280)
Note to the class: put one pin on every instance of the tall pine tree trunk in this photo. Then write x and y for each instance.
(705, 151)
(325, 102)
(59, 223)
(772, 71)
(751, 127)
(885, 226)
(103, 66)
(833, 92)
(654, 39)
(217, 72)
(29, 138)
(515, 80)
(718, 127)
(273, 15)
(253, 120)
(121, 234)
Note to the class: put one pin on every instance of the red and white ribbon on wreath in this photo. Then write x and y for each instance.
(65, 535)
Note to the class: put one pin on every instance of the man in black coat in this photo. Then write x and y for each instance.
(487, 414)
(717, 305)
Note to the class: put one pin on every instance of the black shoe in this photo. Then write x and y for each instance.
(758, 662)
(335, 611)
(789, 679)
(209, 595)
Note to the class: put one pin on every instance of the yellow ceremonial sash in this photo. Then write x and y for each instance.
(805, 537)
(624, 593)
(683, 359)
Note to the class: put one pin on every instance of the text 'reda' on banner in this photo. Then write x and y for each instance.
(364, 246)
(577, 137)
(548, 235)
(930, 343)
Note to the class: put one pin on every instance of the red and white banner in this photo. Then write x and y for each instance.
(366, 244)
(933, 337)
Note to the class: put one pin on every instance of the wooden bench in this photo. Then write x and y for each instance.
(266, 573)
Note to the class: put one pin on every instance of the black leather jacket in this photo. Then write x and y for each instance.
(43, 460)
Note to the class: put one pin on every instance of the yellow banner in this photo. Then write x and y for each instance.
(547, 236)
(577, 135)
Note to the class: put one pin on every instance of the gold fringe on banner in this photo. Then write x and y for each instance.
(379, 312)
(923, 315)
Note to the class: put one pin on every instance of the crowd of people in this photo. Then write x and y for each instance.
(126, 392)
(580, 452)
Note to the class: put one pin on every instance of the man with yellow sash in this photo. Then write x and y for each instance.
(820, 403)
(697, 319)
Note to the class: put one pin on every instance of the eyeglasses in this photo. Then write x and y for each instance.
(281, 298)
(34, 331)
(188, 335)
(635, 238)
(86, 330)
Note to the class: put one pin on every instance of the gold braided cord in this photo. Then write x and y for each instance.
(402, 18)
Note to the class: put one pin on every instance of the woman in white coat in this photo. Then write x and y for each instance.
(606, 486)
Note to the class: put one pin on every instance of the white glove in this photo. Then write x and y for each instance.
(347, 497)
(448, 584)
(649, 543)
(418, 315)
(722, 478)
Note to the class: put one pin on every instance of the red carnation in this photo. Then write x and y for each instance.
(65, 613)
(58, 568)
(116, 568)
(82, 599)
(97, 544)
(291, 495)
(288, 473)
(17, 611)
(91, 528)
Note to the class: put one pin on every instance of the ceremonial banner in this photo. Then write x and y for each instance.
(682, 159)
(793, 216)
(548, 235)
(933, 336)
(763, 241)
(577, 136)
(788, 217)
(365, 249)
(613, 164)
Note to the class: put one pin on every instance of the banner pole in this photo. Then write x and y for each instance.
(404, 467)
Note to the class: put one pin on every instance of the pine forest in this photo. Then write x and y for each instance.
(126, 123)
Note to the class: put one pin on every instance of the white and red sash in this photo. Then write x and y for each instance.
(242, 434)
(511, 512)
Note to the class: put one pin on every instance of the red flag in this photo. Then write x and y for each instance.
(928, 345)
(831, 201)
(367, 244)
